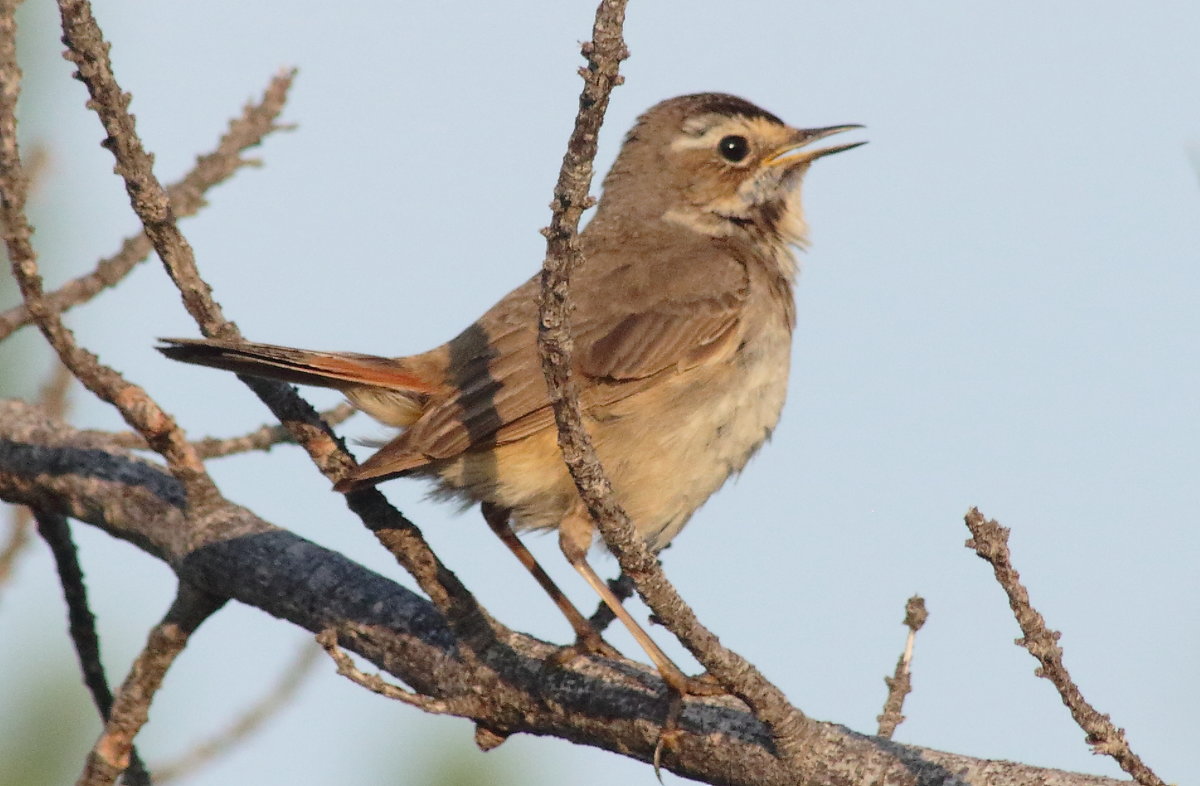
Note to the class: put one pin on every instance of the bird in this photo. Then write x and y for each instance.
(682, 326)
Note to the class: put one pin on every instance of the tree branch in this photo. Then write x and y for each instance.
(450, 653)
(610, 705)
(131, 401)
(900, 683)
(990, 542)
(791, 730)
(186, 197)
(328, 639)
(53, 398)
(262, 438)
(55, 530)
(88, 50)
(111, 755)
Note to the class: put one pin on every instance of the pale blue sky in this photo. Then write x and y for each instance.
(999, 308)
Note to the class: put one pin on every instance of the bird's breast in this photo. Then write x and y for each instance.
(743, 401)
(669, 448)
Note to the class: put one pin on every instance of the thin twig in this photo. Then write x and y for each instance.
(264, 437)
(110, 756)
(990, 541)
(789, 726)
(900, 683)
(82, 625)
(88, 51)
(245, 724)
(328, 639)
(53, 393)
(186, 196)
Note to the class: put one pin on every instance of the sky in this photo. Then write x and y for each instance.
(999, 307)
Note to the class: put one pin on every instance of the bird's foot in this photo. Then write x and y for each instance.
(680, 686)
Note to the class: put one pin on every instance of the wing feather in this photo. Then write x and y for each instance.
(679, 306)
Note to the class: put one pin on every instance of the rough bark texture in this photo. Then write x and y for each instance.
(613, 705)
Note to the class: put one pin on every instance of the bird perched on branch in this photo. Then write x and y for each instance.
(682, 327)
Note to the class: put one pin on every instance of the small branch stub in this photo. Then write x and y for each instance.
(900, 683)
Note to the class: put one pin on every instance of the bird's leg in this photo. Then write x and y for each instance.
(602, 617)
(587, 638)
(574, 537)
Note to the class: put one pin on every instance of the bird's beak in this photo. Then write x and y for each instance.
(793, 153)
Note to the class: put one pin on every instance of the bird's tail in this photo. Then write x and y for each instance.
(387, 389)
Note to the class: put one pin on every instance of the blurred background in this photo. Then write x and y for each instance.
(999, 308)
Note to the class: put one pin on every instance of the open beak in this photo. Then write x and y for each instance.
(794, 152)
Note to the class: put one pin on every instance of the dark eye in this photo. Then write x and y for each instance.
(733, 148)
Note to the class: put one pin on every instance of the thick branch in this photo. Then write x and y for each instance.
(610, 706)
(53, 398)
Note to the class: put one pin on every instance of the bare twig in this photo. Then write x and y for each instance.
(53, 393)
(565, 703)
(110, 756)
(990, 541)
(328, 639)
(56, 532)
(88, 51)
(245, 724)
(114, 752)
(262, 438)
(900, 683)
(789, 726)
(186, 196)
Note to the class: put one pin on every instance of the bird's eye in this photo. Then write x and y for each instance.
(733, 148)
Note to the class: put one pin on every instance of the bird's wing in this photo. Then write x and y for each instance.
(639, 320)
(632, 322)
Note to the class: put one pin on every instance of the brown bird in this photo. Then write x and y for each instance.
(682, 326)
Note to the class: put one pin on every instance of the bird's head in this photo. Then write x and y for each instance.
(715, 164)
